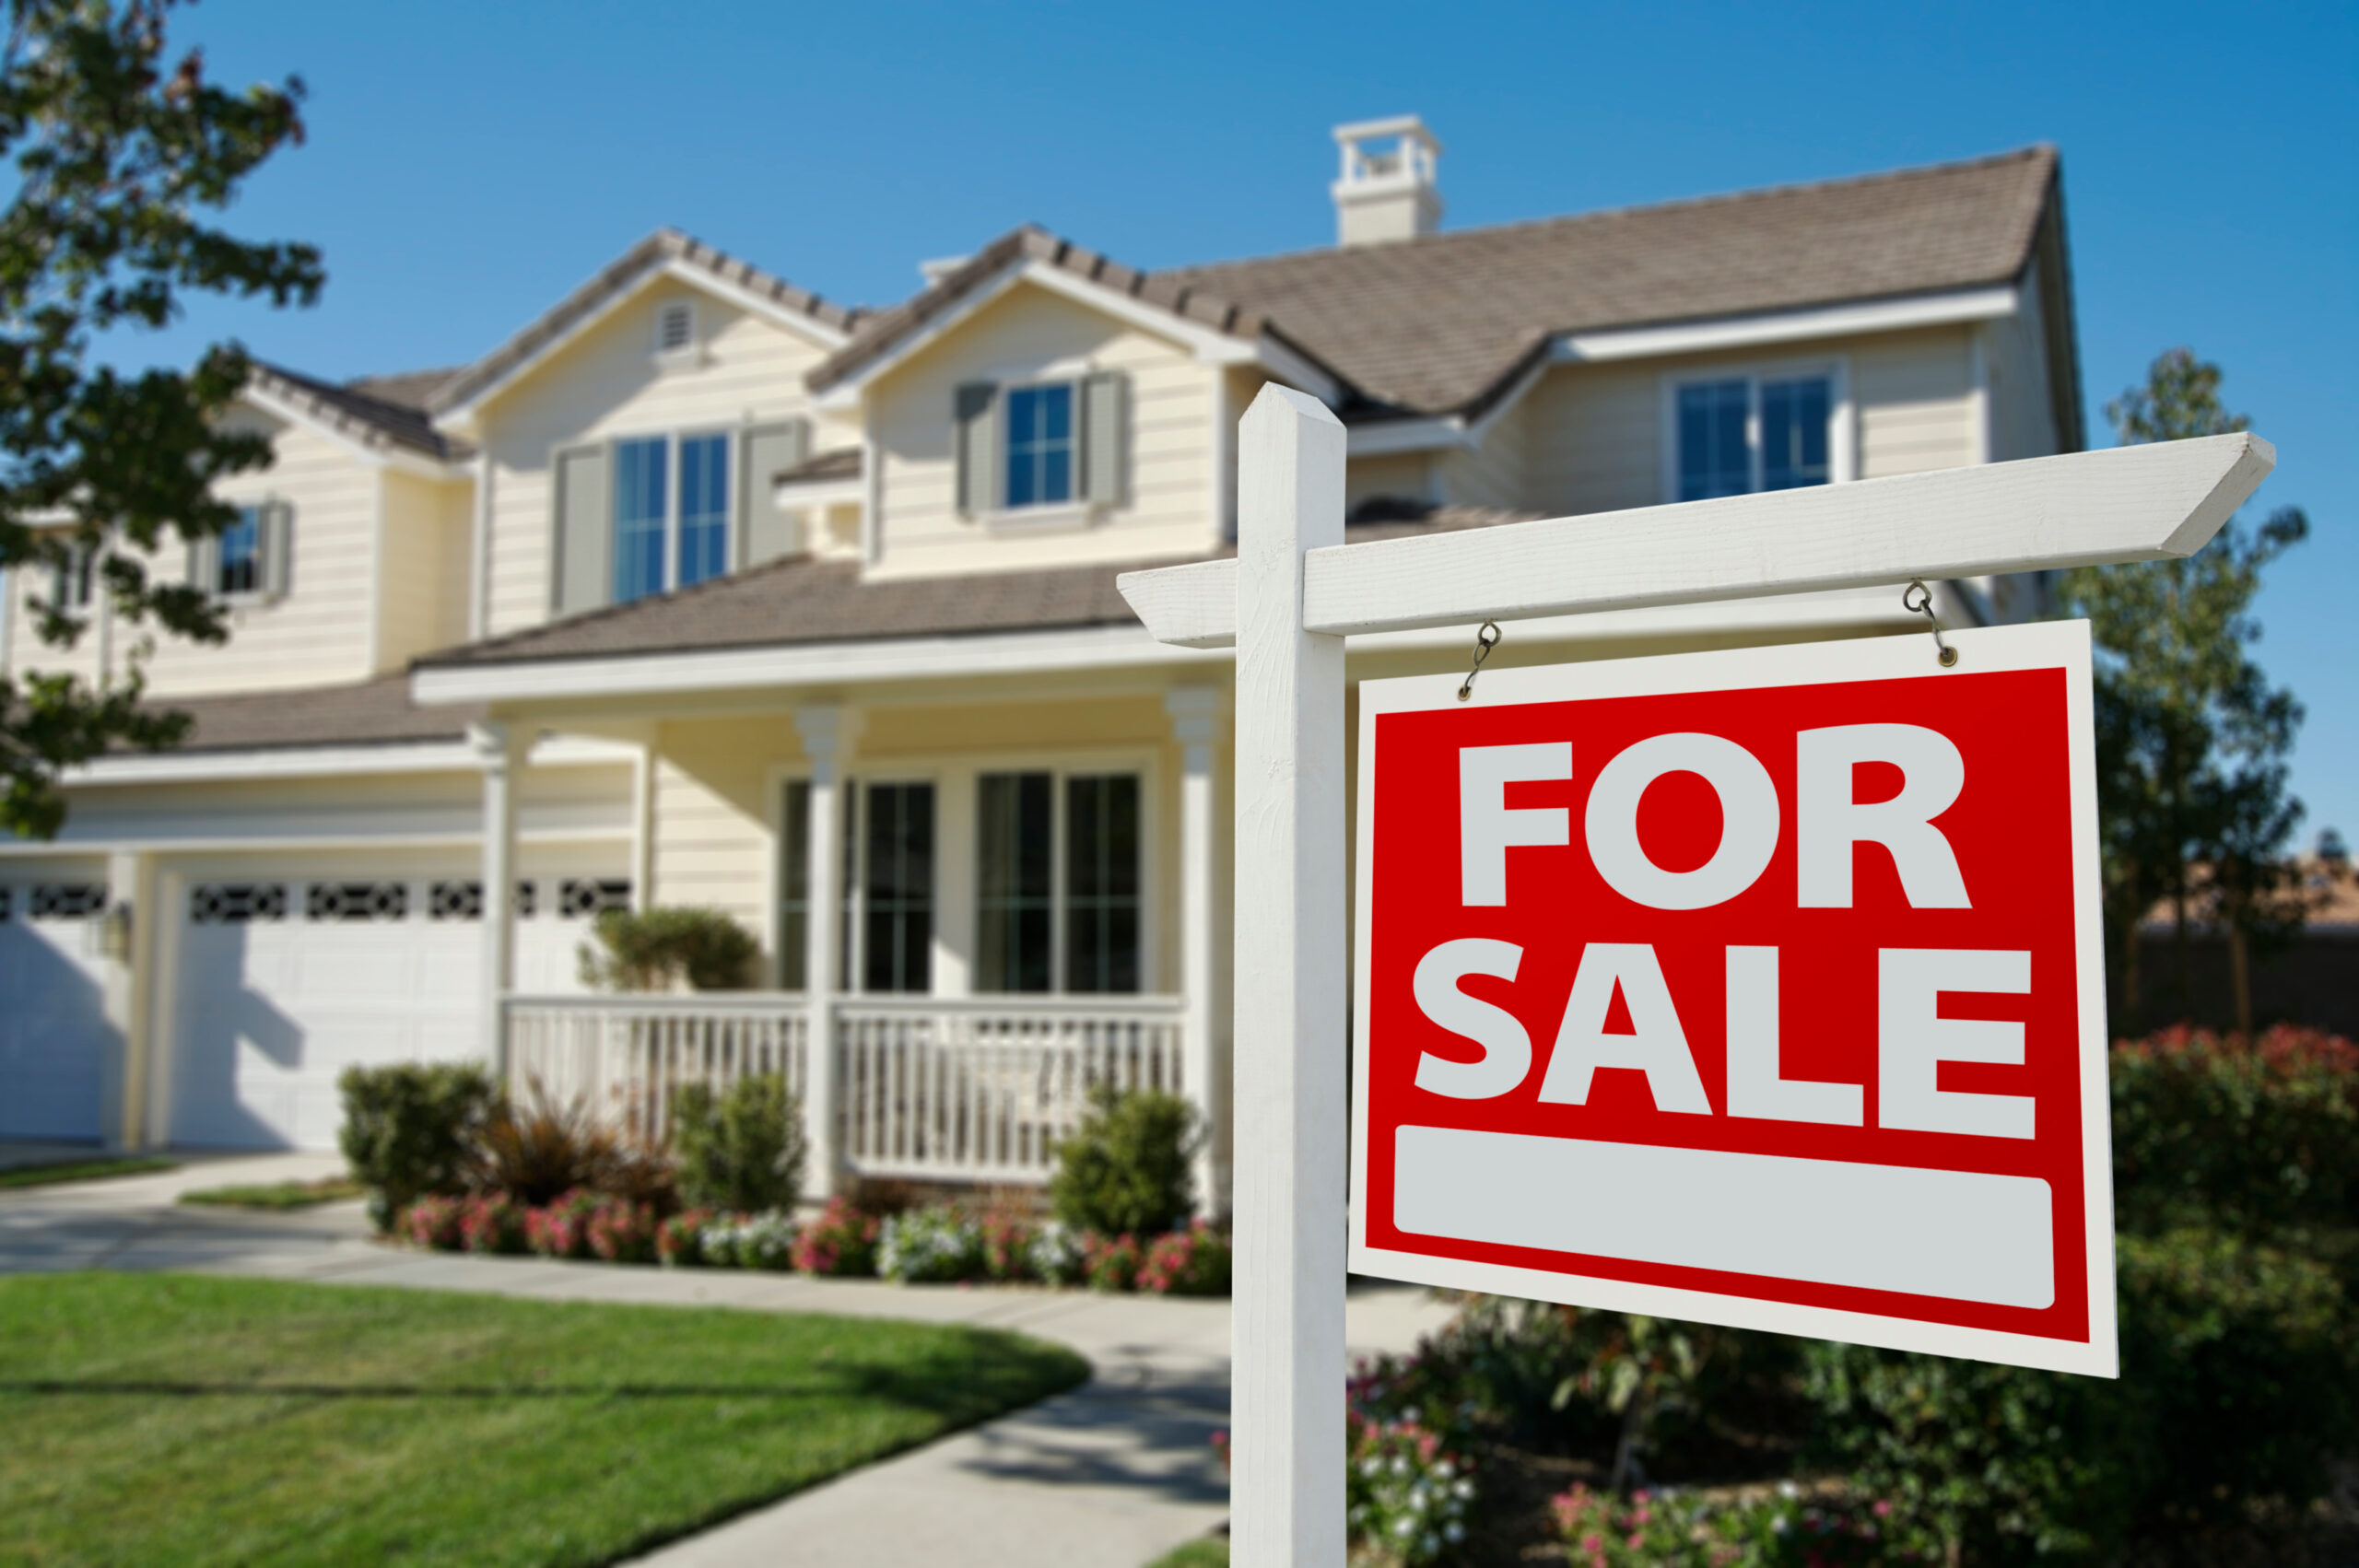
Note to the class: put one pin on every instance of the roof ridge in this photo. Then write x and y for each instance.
(2030, 152)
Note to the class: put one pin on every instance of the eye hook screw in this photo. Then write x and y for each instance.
(1485, 640)
(1917, 600)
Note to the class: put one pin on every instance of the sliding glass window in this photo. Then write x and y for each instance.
(897, 916)
(1102, 884)
(1016, 906)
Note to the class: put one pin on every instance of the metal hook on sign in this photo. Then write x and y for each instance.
(1485, 640)
(1917, 600)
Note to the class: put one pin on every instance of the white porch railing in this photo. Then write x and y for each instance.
(932, 1088)
(624, 1054)
(981, 1089)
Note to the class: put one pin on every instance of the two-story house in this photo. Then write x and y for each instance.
(702, 591)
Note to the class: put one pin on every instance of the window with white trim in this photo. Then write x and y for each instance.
(1038, 467)
(671, 513)
(238, 557)
(1058, 904)
(886, 924)
(1737, 435)
(71, 581)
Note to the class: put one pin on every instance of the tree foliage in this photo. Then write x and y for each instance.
(119, 153)
(2192, 740)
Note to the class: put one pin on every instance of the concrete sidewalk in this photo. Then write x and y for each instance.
(1108, 1475)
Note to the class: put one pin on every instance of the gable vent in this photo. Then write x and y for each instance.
(675, 326)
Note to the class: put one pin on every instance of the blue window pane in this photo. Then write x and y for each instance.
(1039, 446)
(240, 555)
(642, 481)
(704, 507)
(1713, 460)
(1793, 433)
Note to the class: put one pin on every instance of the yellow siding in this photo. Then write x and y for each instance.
(1595, 437)
(2023, 414)
(607, 384)
(1917, 405)
(425, 559)
(1595, 432)
(711, 816)
(1494, 473)
(1027, 334)
(319, 635)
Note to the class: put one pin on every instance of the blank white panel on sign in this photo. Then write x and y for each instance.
(1965, 1235)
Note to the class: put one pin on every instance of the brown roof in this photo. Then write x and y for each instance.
(844, 462)
(800, 600)
(1439, 325)
(374, 713)
(664, 245)
(376, 411)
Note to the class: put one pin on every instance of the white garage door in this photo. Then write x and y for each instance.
(53, 1034)
(283, 984)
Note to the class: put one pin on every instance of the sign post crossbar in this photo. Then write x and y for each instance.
(1288, 601)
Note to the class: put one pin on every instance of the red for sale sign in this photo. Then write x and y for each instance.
(1758, 987)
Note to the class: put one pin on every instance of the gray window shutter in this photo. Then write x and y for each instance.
(584, 526)
(203, 566)
(277, 531)
(976, 408)
(769, 449)
(1104, 407)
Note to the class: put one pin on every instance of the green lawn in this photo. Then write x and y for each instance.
(276, 1195)
(167, 1421)
(86, 1170)
(1210, 1552)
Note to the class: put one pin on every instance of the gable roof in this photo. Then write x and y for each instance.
(379, 411)
(1438, 324)
(660, 251)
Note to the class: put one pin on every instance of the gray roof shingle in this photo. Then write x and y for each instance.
(373, 712)
(1438, 324)
(799, 600)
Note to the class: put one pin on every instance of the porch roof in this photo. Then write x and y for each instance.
(801, 599)
(372, 712)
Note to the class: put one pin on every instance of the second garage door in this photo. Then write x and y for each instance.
(283, 984)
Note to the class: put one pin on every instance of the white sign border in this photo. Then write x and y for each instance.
(2050, 645)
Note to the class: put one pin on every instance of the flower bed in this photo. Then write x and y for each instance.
(937, 1244)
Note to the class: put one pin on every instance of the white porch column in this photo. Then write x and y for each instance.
(1194, 712)
(500, 752)
(827, 733)
(1287, 1492)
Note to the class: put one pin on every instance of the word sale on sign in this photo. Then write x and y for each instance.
(1759, 987)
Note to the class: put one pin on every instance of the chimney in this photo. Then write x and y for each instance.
(1388, 187)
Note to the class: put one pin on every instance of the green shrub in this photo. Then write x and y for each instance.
(2258, 1137)
(649, 950)
(740, 1151)
(1125, 1169)
(408, 1128)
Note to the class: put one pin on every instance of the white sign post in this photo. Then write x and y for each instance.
(1288, 600)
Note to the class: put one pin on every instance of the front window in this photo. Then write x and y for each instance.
(1057, 921)
(70, 583)
(1039, 445)
(671, 513)
(239, 562)
(641, 490)
(704, 507)
(897, 889)
(1748, 433)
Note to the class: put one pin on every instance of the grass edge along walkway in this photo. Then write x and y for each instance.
(57, 1173)
(191, 1420)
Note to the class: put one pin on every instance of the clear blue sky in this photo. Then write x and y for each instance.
(469, 163)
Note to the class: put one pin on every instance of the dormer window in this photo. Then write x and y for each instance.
(675, 329)
(1039, 446)
(1737, 435)
(248, 560)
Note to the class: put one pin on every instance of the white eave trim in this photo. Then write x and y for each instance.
(1954, 308)
(1207, 345)
(799, 493)
(332, 762)
(460, 418)
(1439, 432)
(801, 664)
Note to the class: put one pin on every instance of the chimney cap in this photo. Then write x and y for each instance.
(1391, 126)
